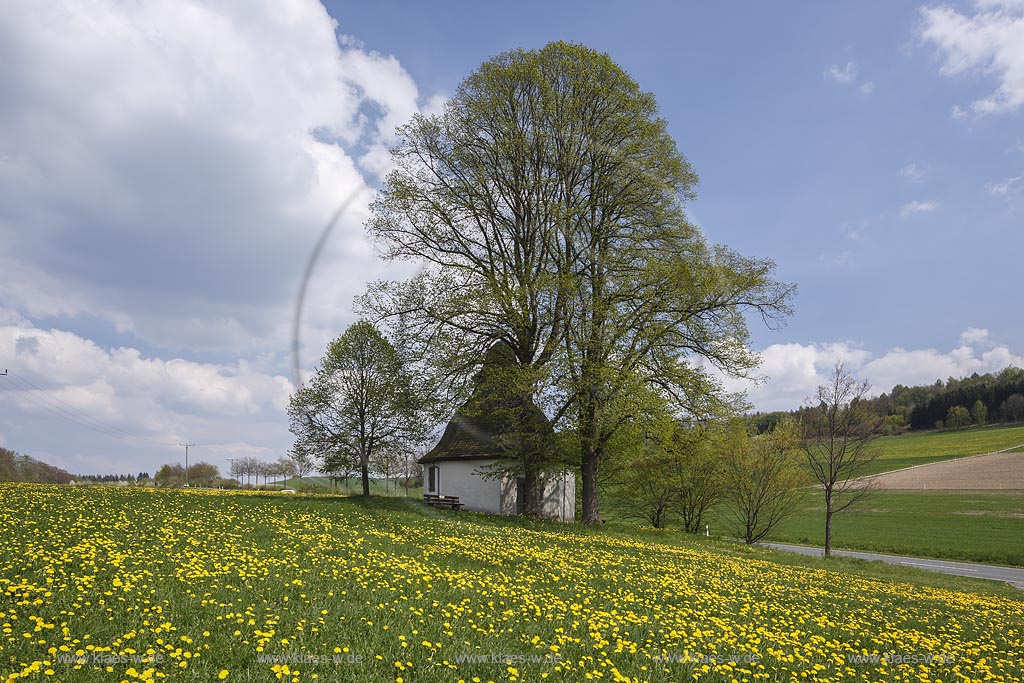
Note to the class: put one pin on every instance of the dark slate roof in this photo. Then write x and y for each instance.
(476, 430)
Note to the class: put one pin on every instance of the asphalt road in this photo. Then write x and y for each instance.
(1011, 575)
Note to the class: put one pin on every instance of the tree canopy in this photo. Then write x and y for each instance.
(547, 204)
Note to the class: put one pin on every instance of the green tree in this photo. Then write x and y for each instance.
(170, 475)
(979, 413)
(1012, 409)
(840, 429)
(763, 477)
(958, 417)
(697, 473)
(547, 202)
(203, 474)
(360, 400)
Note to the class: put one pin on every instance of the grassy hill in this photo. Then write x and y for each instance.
(919, 448)
(216, 585)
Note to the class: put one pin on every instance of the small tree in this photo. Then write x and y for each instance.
(203, 473)
(979, 413)
(301, 460)
(360, 400)
(840, 430)
(284, 468)
(170, 475)
(698, 474)
(958, 417)
(762, 478)
(648, 488)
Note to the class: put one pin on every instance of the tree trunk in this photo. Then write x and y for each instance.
(591, 462)
(828, 526)
(364, 465)
(533, 490)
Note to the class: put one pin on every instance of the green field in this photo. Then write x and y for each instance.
(322, 484)
(919, 448)
(123, 584)
(957, 525)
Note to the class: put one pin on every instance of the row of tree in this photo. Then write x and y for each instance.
(140, 478)
(956, 403)
(248, 471)
(199, 474)
(1001, 394)
(759, 478)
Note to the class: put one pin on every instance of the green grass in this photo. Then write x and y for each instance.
(323, 484)
(389, 590)
(972, 526)
(919, 448)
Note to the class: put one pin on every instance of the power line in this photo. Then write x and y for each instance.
(42, 398)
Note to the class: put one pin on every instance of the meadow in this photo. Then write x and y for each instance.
(122, 584)
(920, 448)
(974, 526)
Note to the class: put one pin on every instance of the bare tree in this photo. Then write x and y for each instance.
(283, 468)
(301, 460)
(839, 431)
(763, 478)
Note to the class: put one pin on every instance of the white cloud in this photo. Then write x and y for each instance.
(61, 382)
(1005, 187)
(845, 75)
(165, 170)
(973, 336)
(913, 172)
(167, 166)
(917, 206)
(848, 75)
(989, 41)
(794, 371)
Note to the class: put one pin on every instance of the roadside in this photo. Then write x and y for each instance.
(1010, 575)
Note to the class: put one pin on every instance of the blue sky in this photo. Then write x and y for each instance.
(165, 170)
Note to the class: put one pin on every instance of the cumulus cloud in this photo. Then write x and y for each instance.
(90, 402)
(163, 169)
(917, 206)
(974, 335)
(794, 371)
(987, 41)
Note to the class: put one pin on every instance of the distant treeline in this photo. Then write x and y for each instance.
(955, 403)
(23, 468)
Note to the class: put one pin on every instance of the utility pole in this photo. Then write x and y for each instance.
(187, 446)
(232, 468)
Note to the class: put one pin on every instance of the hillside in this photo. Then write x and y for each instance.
(919, 448)
(245, 586)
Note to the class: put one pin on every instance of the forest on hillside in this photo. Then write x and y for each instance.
(956, 403)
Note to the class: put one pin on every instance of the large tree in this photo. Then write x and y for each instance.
(547, 204)
(839, 431)
(360, 400)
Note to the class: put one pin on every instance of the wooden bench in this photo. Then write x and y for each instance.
(451, 502)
